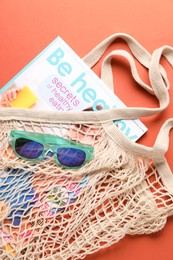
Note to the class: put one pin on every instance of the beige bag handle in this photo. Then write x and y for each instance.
(159, 150)
(107, 75)
(159, 89)
(139, 52)
(162, 142)
(143, 56)
(112, 114)
(137, 49)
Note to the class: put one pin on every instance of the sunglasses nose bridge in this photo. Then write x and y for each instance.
(51, 147)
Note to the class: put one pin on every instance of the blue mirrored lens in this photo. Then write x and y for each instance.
(28, 149)
(71, 157)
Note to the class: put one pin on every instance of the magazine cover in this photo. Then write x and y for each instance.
(57, 79)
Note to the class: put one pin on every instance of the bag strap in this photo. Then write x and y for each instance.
(159, 89)
(139, 52)
(162, 142)
(159, 85)
(157, 76)
(159, 150)
(107, 75)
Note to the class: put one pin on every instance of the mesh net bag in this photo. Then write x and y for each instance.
(72, 183)
(47, 209)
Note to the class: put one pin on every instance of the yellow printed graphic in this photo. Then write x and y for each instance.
(25, 98)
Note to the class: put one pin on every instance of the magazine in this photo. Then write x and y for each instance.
(58, 79)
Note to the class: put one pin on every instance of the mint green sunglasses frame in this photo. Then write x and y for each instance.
(50, 143)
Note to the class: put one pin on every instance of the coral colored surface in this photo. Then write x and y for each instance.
(27, 27)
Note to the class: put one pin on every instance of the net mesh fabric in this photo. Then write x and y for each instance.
(48, 212)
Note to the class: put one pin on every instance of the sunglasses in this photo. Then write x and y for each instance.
(34, 146)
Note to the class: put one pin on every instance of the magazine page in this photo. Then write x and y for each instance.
(57, 79)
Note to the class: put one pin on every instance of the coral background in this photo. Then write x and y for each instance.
(27, 27)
